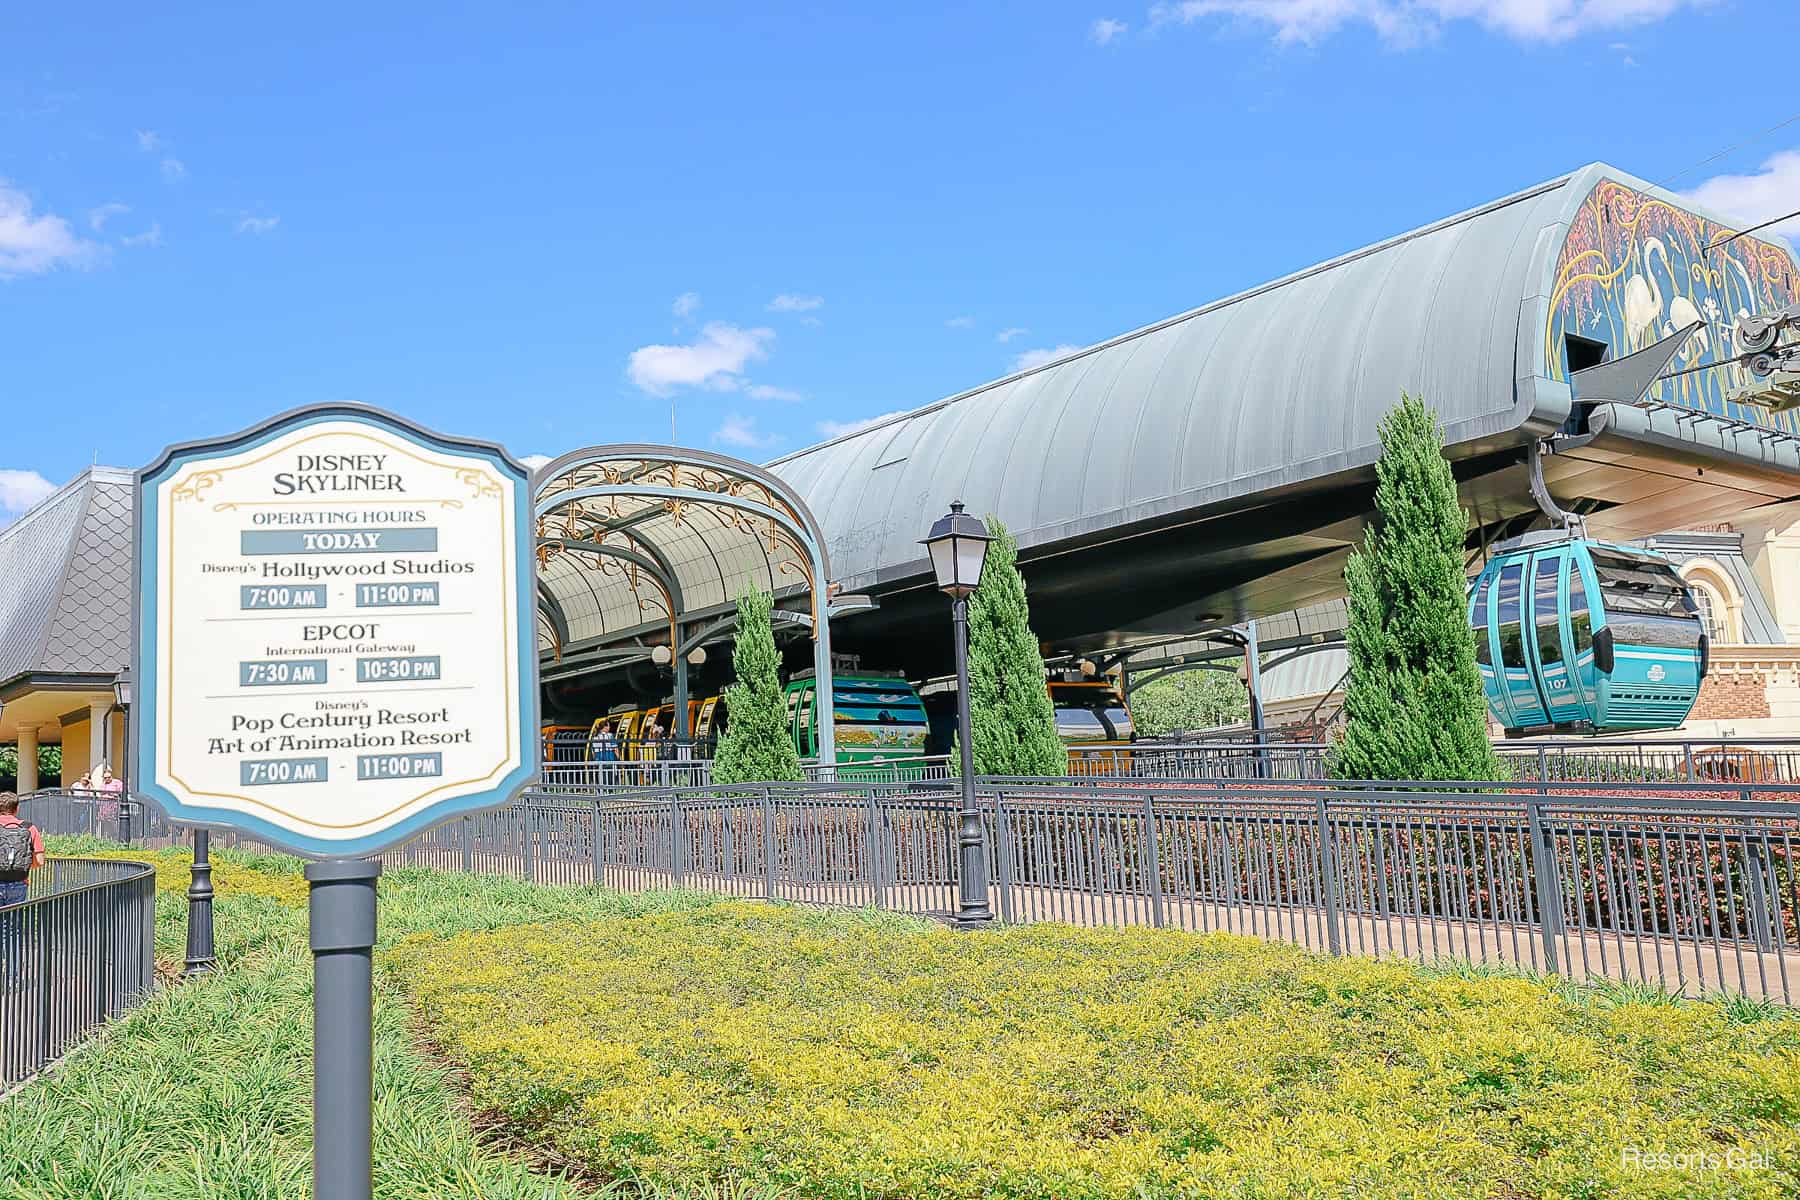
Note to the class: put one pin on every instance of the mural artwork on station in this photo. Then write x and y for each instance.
(1634, 268)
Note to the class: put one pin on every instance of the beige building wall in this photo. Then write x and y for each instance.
(1772, 546)
(85, 744)
(75, 752)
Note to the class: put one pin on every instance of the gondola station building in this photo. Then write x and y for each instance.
(1165, 486)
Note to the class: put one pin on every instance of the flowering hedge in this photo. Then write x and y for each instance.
(847, 1055)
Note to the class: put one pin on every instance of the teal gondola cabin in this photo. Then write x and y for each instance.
(1579, 636)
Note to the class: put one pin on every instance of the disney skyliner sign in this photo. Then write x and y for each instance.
(333, 648)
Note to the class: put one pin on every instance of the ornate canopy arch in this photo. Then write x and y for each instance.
(637, 541)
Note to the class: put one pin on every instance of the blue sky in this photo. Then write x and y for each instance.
(545, 223)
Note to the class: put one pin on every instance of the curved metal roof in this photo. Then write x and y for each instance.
(1273, 387)
(633, 536)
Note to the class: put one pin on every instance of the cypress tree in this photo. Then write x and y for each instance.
(1010, 714)
(758, 743)
(1413, 705)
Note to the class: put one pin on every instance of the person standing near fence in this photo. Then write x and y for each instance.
(112, 791)
(109, 788)
(21, 849)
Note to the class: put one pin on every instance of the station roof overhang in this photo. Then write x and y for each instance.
(40, 701)
(1218, 465)
(643, 551)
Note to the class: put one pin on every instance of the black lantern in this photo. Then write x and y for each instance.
(958, 544)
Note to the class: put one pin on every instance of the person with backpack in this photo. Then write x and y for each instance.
(21, 849)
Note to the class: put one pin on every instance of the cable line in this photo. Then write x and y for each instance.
(1734, 237)
(1728, 150)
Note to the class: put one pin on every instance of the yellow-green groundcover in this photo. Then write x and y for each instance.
(854, 1056)
(275, 877)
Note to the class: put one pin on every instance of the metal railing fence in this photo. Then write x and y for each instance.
(1721, 760)
(571, 746)
(1694, 889)
(624, 776)
(1691, 886)
(1169, 760)
(79, 951)
(1716, 760)
(697, 772)
(67, 812)
(1237, 759)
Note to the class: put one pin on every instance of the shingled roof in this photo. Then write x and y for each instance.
(65, 581)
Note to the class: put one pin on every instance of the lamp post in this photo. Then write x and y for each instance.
(958, 545)
(122, 697)
(201, 956)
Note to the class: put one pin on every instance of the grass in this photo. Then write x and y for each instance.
(205, 1091)
(587, 1043)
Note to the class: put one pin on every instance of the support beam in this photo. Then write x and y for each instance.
(552, 607)
(1253, 676)
(679, 718)
(28, 759)
(99, 727)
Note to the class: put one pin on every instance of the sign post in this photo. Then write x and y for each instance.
(334, 651)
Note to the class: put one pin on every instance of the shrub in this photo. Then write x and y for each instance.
(1010, 714)
(1413, 705)
(49, 763)
(758, 742)
(839, 1056)
(1188, 700)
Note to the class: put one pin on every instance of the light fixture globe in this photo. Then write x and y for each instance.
(661, 656)
(122, 689)
(696, 656)
(958, 545)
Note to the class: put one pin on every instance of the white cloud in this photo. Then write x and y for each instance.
(738, 430)
(1772, 190)
(1103, 31)
(173, 169)
(19, 490)
(763, 391)
(150, 237)
(789, 302)
(1037, 358)
(716, 360)
(1407, 22)
(834, 429)
(686, 305)
(31, 245)
(259, 225)
(961, 322)
(535, 462)
(98, 217)
(1007, 335)
(149, 141)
